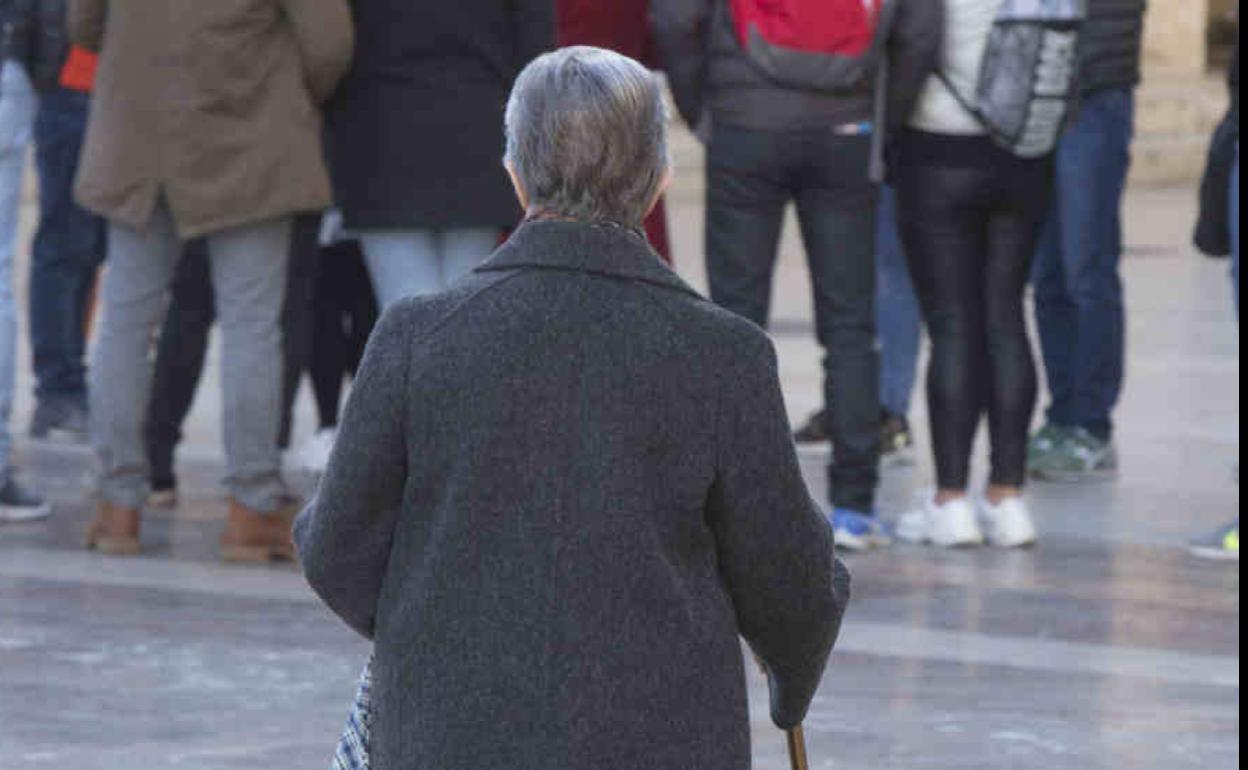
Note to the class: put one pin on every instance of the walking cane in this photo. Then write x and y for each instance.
(797, 749)
(796, 736)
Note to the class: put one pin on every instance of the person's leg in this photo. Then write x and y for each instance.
(1234, 203)
(462, 249)
(328, 366)
(401, 263)
(746, 192)
(362, 312)
(942, 228)
(180, 355)
(17, 105)
(837, 206)
(1013, 232)
(1092, 249)
(1056, 313)
(943, 214)
(134, 296)
(897, 313)
(69, 245)
(297, 319)
(249, 277)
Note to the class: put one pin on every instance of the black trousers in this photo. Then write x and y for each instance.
(345, 311)
(751, 178)
(970, 217)
(183, 344)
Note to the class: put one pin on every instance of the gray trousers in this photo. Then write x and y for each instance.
(249, 278)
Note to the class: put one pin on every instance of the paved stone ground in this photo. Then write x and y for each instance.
(1105, 647)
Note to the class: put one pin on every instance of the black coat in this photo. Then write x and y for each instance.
(1112, 43)
(416, 128)
(35, 34)
(559, 493)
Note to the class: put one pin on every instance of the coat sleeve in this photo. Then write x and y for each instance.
(326, 36)
(344, 535)
(536, 29)
(776, 549)
(914, 50)
(86, 23)
(682, 38)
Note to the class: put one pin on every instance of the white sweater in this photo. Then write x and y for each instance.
(967, 24)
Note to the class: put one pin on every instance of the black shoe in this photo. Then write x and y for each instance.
(815, 431)
(18, 504)
(60, 418)
(896, 441)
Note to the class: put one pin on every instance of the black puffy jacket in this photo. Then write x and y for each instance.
(1112, 44)
(34, 33)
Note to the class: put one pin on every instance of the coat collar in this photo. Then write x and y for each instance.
(587, 248)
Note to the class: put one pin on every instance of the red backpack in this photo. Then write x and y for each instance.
(828, 45)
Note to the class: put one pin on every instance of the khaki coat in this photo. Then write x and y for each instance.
(212, 104)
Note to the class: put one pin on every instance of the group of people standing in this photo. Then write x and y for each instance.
(205, 181)
(950, 242)
(206, 178)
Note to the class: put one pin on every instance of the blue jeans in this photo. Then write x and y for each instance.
(896, 312)
(1079, 307)
(406, 263)
(17, 109)
(69, 246)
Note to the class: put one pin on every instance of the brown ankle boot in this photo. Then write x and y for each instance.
(253, 537)
(114, 530)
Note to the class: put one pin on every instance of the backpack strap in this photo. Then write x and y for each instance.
(961, 99)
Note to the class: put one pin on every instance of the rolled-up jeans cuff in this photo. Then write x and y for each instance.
(124, 493)
(262, 497)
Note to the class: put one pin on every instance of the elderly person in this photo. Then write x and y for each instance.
(563, 488)
(205, 123)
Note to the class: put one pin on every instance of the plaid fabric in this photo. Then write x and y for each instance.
(353, 747)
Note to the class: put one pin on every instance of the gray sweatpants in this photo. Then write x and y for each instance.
(249, 278)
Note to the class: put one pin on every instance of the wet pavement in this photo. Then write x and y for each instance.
(1107, 646)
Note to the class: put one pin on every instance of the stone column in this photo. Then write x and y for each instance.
(1174, 38)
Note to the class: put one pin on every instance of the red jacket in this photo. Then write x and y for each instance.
(620, 25)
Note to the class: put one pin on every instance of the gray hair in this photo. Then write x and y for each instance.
(587, 135)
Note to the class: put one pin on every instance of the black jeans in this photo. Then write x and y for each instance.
(970, 217)
(184, 344)
(751, 177)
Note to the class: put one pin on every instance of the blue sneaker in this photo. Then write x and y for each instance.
(856, 531)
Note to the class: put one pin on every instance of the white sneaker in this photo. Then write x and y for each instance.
(313, 456)
(951, 525)
(1008, 524)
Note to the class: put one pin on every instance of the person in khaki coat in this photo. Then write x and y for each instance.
(206, 122)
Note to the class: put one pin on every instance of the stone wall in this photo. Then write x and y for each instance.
(1181, 100)
(1174, 38)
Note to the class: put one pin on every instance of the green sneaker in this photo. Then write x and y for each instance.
(1044, 444)
(1077, 457)
(1222, 545)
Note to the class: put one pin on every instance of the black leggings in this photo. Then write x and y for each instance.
(345, 313)
(970, 217)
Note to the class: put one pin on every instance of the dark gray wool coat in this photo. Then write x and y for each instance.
(559, 493)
